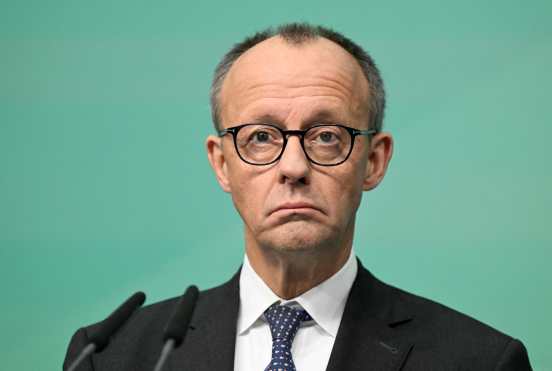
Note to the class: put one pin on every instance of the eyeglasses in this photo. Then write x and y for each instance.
(264, 144)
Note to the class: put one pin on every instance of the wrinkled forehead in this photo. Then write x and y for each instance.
(277, 69)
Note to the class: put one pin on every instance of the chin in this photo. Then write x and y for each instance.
(297, 237)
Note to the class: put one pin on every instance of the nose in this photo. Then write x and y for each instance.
(294, 166)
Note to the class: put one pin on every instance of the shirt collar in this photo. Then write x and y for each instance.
(325, 302)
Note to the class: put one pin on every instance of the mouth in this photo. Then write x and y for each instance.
(296, 207)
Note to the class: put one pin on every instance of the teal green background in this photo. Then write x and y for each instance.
(105, 187)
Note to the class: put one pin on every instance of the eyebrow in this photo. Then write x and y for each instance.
(326, 116)
(320, 117)
(266, 118)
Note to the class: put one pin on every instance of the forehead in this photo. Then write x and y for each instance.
(275, 77)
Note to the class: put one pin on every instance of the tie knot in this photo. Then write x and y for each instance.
(284, 321)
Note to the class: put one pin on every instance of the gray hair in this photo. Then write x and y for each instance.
(297, 34)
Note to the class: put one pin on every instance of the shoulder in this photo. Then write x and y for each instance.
(139, 341)
(439, 321)
(441, 333)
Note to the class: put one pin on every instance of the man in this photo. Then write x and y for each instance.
(299, 115)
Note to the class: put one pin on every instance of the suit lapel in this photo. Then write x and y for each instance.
(210, 342)
(367, 338)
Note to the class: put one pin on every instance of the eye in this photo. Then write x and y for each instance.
(326, 136)
(261, 136)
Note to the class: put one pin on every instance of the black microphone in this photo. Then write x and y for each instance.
(100, 335)
(176, 328)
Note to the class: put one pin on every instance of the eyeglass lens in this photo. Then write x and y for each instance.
(262, 144)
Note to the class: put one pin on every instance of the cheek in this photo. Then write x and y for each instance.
(348, 191)
(248, 190)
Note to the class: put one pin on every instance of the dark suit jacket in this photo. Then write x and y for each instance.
(383, 328)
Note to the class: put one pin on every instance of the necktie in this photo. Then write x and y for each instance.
(284, 321)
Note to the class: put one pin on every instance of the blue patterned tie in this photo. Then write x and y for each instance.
(284, 321)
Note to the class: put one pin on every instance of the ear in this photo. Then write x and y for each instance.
(215, 154)
(381, 151)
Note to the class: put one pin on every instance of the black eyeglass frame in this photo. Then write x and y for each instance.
(301, 133)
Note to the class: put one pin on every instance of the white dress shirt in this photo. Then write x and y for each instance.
(314, 341)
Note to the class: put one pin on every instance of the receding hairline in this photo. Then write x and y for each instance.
(300, 34)
(355, 73)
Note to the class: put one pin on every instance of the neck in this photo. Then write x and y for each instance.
(291, 273)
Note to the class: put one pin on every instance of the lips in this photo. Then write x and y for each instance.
(295, 206)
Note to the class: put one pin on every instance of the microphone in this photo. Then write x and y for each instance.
(100, 336)
(176, 328)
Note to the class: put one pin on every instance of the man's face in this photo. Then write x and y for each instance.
(294, 204)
